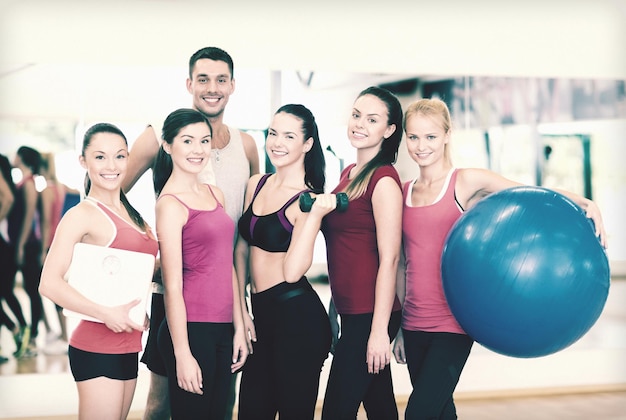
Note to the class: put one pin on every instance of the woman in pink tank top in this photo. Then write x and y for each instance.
(202, 338)
(103, 355)
(431, 342)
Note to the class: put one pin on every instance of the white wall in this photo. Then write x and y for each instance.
(69, 63)
(112, 59)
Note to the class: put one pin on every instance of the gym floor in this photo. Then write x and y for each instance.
(584, 381)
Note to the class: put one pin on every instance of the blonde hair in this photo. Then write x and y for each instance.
(437, 110)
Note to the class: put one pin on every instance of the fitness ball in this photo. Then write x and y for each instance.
(524, 273)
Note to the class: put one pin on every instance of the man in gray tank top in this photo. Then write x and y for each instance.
(234, 158)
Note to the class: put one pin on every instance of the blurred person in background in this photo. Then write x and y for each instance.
(7, 262)
(25, 234)
(53, 205)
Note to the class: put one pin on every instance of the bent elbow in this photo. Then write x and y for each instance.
(43, 289)
(292, 275)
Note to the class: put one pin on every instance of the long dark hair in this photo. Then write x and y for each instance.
(388, 152)
(314, 162)
(5, 168)
(31, 158)
(176, 121)
(110, 128)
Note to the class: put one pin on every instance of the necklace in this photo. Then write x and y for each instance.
(218, 149)
(218, 160)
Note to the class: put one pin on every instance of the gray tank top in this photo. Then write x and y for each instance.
(232, 170)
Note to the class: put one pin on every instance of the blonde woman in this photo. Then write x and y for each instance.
(431, 342)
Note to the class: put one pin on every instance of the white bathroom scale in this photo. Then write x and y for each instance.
(111, 277)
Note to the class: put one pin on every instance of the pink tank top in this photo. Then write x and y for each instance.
(207, 243)
(57, 208)
(424, 231)
(95, 336)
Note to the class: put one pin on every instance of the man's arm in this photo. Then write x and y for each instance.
(252, 154)
(141, 157)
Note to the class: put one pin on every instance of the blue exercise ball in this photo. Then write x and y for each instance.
(524, 273)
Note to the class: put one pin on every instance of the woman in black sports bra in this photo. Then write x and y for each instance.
(292, 327)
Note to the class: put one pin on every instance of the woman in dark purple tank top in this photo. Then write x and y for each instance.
(363, 246)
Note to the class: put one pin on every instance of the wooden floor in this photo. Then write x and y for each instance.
(586, 381)
(584, 406)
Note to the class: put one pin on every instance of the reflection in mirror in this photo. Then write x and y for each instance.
(562, 133)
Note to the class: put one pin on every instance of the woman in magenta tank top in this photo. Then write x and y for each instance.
(202, 337)
(103, 355)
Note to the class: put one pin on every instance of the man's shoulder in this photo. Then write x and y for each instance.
(246, 140)
(237, 132)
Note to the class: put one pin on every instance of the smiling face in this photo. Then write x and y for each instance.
(106, 160)
(368, 125)
(191, 148)
(426, 138)
(285, 143)
(211, 85)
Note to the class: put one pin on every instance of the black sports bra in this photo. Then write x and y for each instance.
(270, 232)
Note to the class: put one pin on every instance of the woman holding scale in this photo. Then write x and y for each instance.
(103, 354)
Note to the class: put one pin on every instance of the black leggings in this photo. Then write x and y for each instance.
(435, 361)
(349, 382)
(7, 285)
(151, 354)
(212, 346)
(31, 275)
(293, 341)
(5, 319)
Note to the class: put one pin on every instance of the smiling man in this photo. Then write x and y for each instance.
(234, 158)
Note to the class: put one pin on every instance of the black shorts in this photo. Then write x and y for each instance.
(87, 365)
(151, 355)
